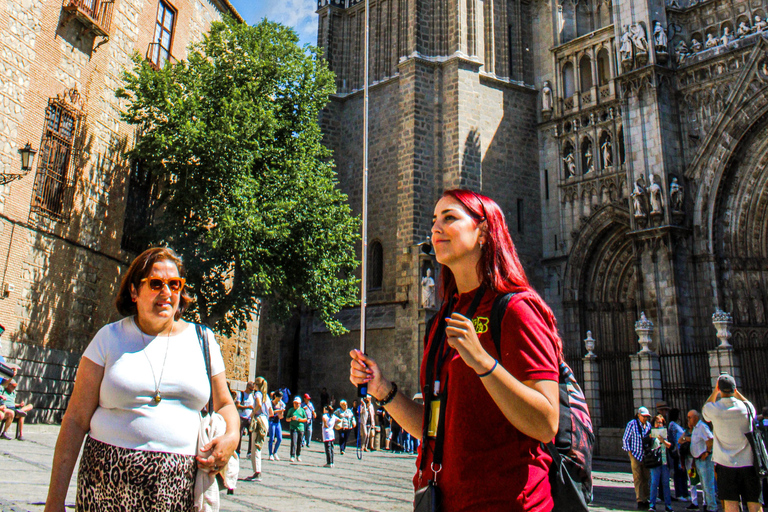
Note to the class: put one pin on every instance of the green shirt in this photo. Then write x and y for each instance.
(8, 399)
(295, 414)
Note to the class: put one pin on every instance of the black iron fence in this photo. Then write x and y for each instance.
(752, 352)
(616, 395)
(685, 379)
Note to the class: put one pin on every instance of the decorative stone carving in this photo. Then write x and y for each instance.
(711, 41)
(589, 342)
(546, 97)
(428, 290)
(570, 164)
(722, 320)
(607, 153)
(696, 46)
(742, 303)
(644, 328)
(681, 52)
(588, 159)
(676, 196)
(757, 303)
(626, 50)
(654, 191)
(743, 30)
(639, 39)
(760, 25)
(659, 37)
(727, 37)
(637, 199)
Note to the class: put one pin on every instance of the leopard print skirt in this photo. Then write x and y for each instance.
(120, 479)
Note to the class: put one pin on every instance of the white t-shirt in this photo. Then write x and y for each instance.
(246, 400)
(127, 415)
(730, 419)
(328, 433)
(699, 437)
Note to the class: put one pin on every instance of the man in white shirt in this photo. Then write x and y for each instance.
(701, 450)
(731, 416)
(244, 404)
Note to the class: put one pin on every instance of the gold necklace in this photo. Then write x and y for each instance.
(158, 397)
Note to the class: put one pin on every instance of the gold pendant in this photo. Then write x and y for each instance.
(157, 397)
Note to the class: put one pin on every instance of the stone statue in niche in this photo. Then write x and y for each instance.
(742, 302)
(711, 41)
(676, 196)
(681, 52)
(428, 290)
(757, 303)
(760, 24)
(727, 36)
(546, 97)
(637, 198)
(570, 164)
(588, 158)
(607, 153)
(625, 50)
(695, 45)
(743, 30)
(659, 37)
(639, 39)
(654, 191)
(727, 300)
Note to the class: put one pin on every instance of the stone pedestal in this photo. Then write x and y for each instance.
(722, 359)
(591, 388)
(646, 379)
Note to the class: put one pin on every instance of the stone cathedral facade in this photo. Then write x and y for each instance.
(625, 141)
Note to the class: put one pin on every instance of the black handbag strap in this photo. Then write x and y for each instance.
(207, 357)
(438, 349)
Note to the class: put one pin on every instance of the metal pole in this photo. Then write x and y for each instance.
(364, 280)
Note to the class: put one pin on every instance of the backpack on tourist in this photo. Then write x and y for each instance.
(571, 472)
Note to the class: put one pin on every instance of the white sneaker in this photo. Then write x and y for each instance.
(276, 457)
(293, 459)
(298, 458)
(271, 457)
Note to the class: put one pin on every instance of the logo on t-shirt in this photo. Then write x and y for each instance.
(481, 324)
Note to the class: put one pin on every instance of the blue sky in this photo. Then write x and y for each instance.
(299, 14)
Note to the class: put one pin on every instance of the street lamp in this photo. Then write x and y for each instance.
(27, 155)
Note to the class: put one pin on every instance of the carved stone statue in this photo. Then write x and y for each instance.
(676, 196)
(727, 36)
(588, 158)
(659, 37)
(742, 303)
(637, 199)
(757, 303)
(654, 191)
(625, 50)
(570, 164)
(695, 45)
(428, 290)
(639, 39)
(743, 30)
(711, 41)
(681, 52)
(607, 153)
(546, 97)
(760, 24)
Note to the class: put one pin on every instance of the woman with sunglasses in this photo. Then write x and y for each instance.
(510, 398)
(138, 393)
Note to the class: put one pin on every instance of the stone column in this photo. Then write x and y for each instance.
(646, 370)
(591, 381)
(722, 359)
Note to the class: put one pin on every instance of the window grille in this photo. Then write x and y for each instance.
(375, 266)
(138, 207)
(54, 182)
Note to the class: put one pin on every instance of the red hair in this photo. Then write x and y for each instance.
(499, 267)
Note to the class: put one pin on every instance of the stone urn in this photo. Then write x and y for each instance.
(722, 320)
(644, 328)
(589, 342)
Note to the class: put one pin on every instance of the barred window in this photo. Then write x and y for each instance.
(138, 208)
(54, 182)
(375, 266)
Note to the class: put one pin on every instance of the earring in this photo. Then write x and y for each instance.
(133, 299)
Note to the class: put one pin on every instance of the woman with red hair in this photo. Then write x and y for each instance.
(493, 409)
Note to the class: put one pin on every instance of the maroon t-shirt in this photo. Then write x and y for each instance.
(488, 464)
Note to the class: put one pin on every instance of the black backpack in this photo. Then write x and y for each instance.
(570, 475)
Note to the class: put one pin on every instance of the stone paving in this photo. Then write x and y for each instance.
(380, 482)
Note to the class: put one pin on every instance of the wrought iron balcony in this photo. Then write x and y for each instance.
(158, 56)
(96, 15)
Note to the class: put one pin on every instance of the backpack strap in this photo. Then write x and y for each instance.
(207, 357)
(497, 315)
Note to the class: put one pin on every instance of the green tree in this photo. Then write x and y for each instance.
(249, 196)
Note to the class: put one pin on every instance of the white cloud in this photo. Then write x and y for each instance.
(299, 14)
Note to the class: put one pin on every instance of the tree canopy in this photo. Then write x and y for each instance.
(247, 192)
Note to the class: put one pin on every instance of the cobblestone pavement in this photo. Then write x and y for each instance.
(378, 482)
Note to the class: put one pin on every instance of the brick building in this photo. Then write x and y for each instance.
(625, 142)
(64, 225)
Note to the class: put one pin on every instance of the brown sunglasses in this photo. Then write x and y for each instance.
(175, 284)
